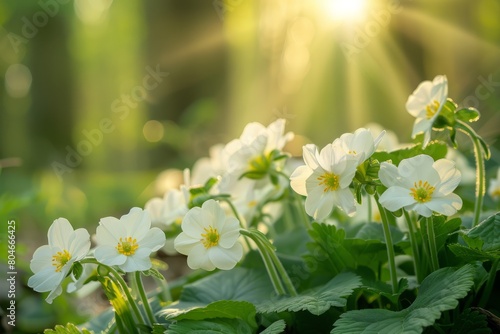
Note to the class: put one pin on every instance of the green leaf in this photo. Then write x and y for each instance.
(437, 150)
(439, 292)
(467, 115)
(237, 284)
(68, 329)
(316, 301)
(486, 235)
(158, 329)
(468, 254)
(229, 309)
(153, 272)
(77, 270)
(214, 326)
(327, 247)
(276, 327)
(486, 148)
(471, 322)
(446, 117)
(123, 313)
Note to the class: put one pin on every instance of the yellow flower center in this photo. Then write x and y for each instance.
(431, 109)
(330, 181)
(495, 193)
(211, 238)
(127, 246)
(422, 191)
(60, 259)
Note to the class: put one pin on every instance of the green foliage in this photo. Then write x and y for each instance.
(471, 322)
(237, 284)
(483, 241)
(213, 326)
(468, 115)
(68, 329)
(437, 150)
(440, 291)
(328, 248)
(229, 309)
(316, 301)
(276, 327)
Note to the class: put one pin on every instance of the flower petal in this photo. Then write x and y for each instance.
(310, 154)
(109, 231)
(449, 175)
(319, 204)
(79, 244)
(42, 259)
(447, 205)
(137, 223)
(184, 243)
(46, 280)
(198, 258)
(140, 261)
(345, 200)
(108, 255)
(395, 198)
(59, 232)
(225, 259)
(298, 179)
(230, 233)
(154, 239)
(194, 223)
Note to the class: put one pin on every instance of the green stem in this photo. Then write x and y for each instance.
(279, 266)
(268, 263)
(369, 206)
(165, 294)
(489, 285)
(480, 169)
(236, 214)
(144, 298)
(121, 282)
(432, 244)
(302, 211)
(389, 245)
(126, 290)
(299, 205)
(414, 246)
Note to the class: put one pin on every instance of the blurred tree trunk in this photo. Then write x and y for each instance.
(51, 116)
(186, 39)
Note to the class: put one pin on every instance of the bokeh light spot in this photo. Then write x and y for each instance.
(153, 131)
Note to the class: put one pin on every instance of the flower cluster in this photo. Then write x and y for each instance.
(126, 243)
(241, 197)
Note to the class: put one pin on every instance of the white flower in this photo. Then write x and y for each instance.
(422, 185)
(325, 180)
(494, 188)
(209, 238)
(255, 142)
(426, 103)
(167, 210)
(128, 242)
(207, 167)
(359, 145)
(79, 285)
(51, 263)
(389, 141)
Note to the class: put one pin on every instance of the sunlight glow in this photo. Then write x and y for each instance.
(346, 10)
